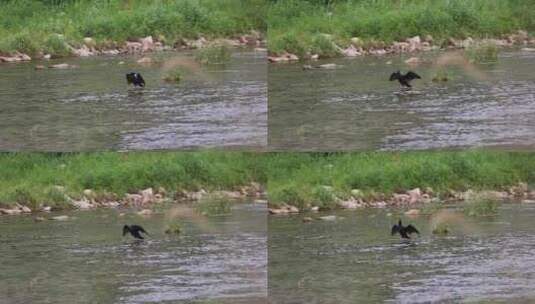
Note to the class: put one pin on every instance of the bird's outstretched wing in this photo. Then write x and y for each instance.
(394, 76)
(411, 75)
(129, 78)
(395, 229)
(140, 80)
(411, 229)
(142, 230)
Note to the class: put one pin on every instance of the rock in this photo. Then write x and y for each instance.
(121, 214)
(413, 212)
(389, 62)
(39, 67)
(357, 193)
(134, 47)
(10, 211)
(528, 201)
(307, 219)
(350, 204)
(25, 209)
(400, 47)
(90, 194)
(314, 57)
(413, 60)
(292, 209)
(428, 38)
(145, 60)
(415, 43)
(260, 201)
(357, 42)
(133, 199)
(415, 195)
(528, 49)
(230, 194)
(277, 211)
(147, 196)
(351, 51)
(84, 51)
(82, 204)
(62, 66)
(46, 209)
(466, 43)
(328, 66)
(47, 56)
(38, 219)
(401, 199)
(145, 212)
(198, 44)
(389, 214)
(283, 58)
(60, 218)
(120, 63)
(111, 204)
(328, 218)
(89, 42)
(111, 52)
(315, 209)
(147, 44)
(380, 204)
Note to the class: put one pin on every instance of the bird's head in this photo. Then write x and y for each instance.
(126, 229)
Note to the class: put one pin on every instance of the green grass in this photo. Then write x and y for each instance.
(299, 179)
(294, 25)
(31, 25)
(33, 178)
(294, 178)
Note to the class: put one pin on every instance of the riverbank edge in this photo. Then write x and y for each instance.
(413, 45)
(141, 46)
(143, 200)
(413, 199)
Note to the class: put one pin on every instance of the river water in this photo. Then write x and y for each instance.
(355, 107)
(356, 260)
(92, 108)
(86, 260)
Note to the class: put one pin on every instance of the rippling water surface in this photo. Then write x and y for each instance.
(356, 107)
(355, 260)
(92, 108)
(86, 260)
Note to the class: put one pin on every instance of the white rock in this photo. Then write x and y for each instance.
(147, 196)
(60, 218)
(145, 60)
(82, 204)
(412, 212)
(413, 60)
(10, 211)
(25, 209)
(415, 195)
(145, 212)
(328, 218)
(147, 44)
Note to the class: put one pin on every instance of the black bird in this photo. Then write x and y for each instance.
(404, 79)
(134, 231)
(136, 79)
(404, 231)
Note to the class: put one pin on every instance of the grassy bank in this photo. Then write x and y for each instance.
(31, 26)
(30, 178)
(300, 179)
(298, 26)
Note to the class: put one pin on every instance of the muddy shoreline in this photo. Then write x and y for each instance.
(413, 45)
(142, 201)
(141, 46)
(413, 199)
